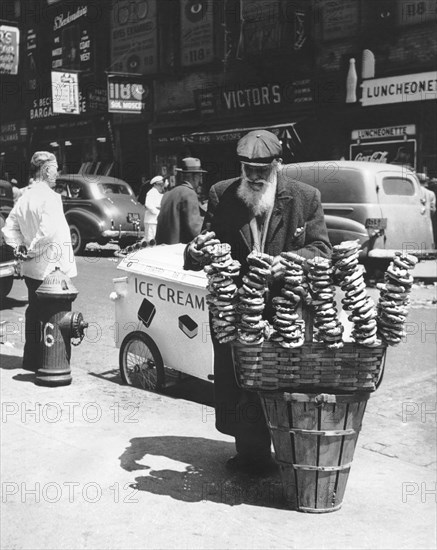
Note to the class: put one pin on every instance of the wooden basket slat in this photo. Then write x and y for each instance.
(270, 367)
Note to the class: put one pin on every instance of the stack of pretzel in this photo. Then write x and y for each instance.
(288, 329)
(394, 298)
(221, 270)
(252, 329)
(361, 306)
(328, 327)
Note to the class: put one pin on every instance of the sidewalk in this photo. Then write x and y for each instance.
(101, 465)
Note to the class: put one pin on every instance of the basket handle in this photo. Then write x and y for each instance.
(381, 373)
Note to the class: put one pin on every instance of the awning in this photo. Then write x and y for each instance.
(286, 132)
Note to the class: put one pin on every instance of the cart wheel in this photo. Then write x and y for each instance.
(141, 363)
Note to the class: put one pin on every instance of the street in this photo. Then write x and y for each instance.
(98, 464)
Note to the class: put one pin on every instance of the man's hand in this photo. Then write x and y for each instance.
(195, 248)
(277, 269)
(20, 252)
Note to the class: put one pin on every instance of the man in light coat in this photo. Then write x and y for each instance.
(38, 232)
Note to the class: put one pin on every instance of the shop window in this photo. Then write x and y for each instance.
(397, 186)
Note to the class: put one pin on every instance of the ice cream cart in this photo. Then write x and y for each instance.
(161, 318)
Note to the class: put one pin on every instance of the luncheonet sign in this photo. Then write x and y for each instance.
(400, 89)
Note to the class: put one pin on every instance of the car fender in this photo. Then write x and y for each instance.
(343, 229)
(90, 224)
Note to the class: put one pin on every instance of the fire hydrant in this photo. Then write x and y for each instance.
(60, 326)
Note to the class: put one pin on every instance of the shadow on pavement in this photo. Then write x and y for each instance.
(10, 362)
(10, 303)
(192, 469)
(189, 388)
(28, 377)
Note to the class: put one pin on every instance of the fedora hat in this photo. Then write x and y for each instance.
(259, 148)
(191, 164)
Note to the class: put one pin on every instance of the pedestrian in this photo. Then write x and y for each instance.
(144, 189)
(16, 191)
(180, 218)
(153, 206)
(265, 210)
(432, 186)
(427, 198)
(37, 230)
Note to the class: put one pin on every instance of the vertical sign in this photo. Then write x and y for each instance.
(9, 47)
(134, 42)
(197, 32)
(71, 46)
(65, 93)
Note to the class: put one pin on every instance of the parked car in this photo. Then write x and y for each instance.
(100, 209)
(6, 198)
(7, 265)
(378, 204)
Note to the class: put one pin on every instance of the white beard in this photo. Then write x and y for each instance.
(258, 202)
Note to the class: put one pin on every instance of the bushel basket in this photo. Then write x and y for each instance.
(312, 367)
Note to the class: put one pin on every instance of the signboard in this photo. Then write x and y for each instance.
(261, 27)
(384, 132)
(339, 18)
(393, 152)
(412, 12)
(134, 43)
(197, 32)
(400, 89)
(65, 93)
(9, 49)
(13, 132)
(72, 42)
(127, 95)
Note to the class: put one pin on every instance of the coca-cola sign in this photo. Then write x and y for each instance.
(389, 152)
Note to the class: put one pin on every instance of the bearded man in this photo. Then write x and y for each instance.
(267, 211)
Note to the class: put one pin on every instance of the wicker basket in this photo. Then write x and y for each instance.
(313, 367)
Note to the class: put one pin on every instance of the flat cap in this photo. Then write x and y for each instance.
(259, 147)
(41, 157)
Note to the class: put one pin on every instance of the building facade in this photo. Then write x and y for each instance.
(158, 80)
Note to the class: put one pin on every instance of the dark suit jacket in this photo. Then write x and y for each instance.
(179, 219)
(297, 205)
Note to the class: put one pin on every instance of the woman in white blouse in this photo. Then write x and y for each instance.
(153, 205)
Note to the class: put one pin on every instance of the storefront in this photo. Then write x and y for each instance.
(79, 141)
(13, 151)
(207, 122)
(396, 122)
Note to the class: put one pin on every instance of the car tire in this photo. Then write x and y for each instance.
(5, 286)
(78, 243)
(141, 363)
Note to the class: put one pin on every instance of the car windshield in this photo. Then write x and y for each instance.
(335, 185)
(113, 189)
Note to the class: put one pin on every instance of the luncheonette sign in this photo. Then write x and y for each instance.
(400, 89)
(9, 49)
(384, 132)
